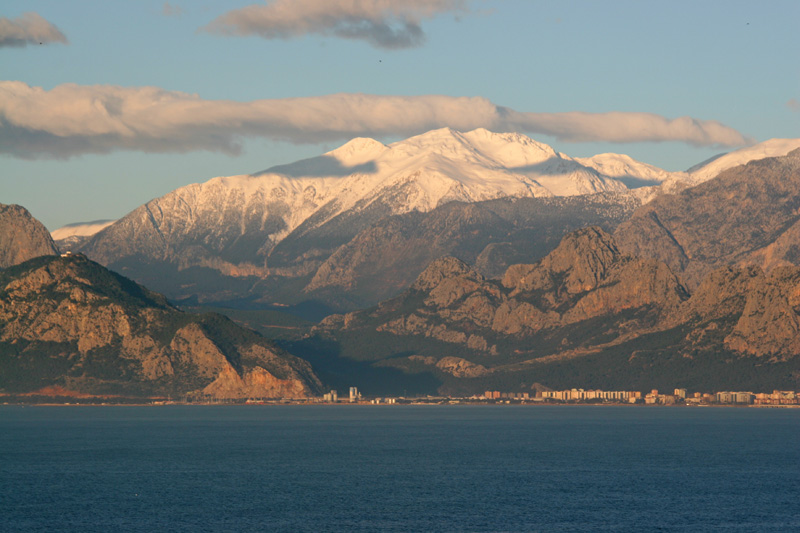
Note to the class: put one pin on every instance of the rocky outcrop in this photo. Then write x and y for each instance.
(746, 311)
(22, 237)
(585, 277)
(67, 321)
(584, 303)
(460, 368)
(255, 383)
(769, 321)
(387, 257)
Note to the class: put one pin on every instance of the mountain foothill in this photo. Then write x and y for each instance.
(447, 263)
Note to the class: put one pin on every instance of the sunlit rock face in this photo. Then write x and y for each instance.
(747, 215)
(22, 237)
(69, 322)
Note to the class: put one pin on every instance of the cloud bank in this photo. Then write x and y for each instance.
(385, 24)
(28, 28)
(71, 119)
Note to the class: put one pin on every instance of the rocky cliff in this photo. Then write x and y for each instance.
(591, 311)
(748, 215)
(69, 322)
(382, 260)
(585, 277)
(22, 237)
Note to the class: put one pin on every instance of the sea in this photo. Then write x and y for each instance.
(405, 468)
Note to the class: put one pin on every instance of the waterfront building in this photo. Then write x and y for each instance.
(735, 397)
(743, 397)
(725, 397)
(588, 395)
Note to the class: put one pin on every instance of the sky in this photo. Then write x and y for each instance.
(107, 104)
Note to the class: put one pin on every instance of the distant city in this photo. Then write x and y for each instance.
(583, 396)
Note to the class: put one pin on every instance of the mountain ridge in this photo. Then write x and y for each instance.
(749, 214)
(68, 322)
(587, 314)
(278, 236)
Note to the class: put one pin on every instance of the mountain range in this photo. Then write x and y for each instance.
(458, 262)
(320, 229)
(586, 314)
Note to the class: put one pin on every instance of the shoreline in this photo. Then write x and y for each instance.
(408, 403)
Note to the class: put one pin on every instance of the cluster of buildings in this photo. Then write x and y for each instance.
(497, 395)
(678, 396)
(580, 395)
(654, 397)
(778, 397)
(333, 396)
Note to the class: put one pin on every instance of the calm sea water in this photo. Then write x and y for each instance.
(398, 468)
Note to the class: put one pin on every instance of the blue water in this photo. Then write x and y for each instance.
(398, 468)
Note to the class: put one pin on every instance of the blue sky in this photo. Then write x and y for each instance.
(730, 62)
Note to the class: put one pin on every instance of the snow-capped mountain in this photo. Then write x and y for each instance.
(632, 173)
(363, 177)
(272, 230)
(418, 174)
(711, 168)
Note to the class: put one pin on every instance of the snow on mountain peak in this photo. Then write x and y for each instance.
(769, 148)
(418, 173)
(434, 167)
(632, 173)
(511, 150)
(443, 140)
(80, 229)
(358, 151)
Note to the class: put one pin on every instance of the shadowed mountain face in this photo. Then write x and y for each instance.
(585, 314)
(22, 237)
(352, 260)
(68, 322)
(385, 258)
(748, 215)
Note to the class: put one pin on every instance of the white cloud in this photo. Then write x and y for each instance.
(74, 119)
(29, 28)
(382, 23)
(625, 127)
(793, 104)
